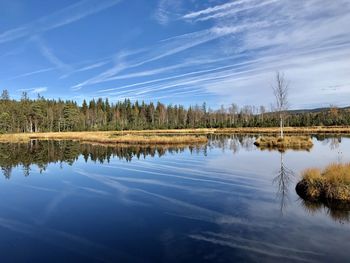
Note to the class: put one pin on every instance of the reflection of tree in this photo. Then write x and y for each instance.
(283, 180)
(41, 153)
(334, 143)
(231, 142)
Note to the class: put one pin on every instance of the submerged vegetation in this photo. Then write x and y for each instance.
(287, 142)
(329, 185)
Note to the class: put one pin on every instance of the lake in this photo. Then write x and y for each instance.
(227, 201)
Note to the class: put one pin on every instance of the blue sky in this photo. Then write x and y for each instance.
(177, 51)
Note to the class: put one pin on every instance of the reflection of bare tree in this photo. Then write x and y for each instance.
(334, 143)
(283, 180)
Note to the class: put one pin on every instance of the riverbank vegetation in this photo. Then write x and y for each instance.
(286, 142)
(331, 184)
(106, 138)
(47, 115)
(168, 136)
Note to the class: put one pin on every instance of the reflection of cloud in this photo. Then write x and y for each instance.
(255, 247)
(134, 186)
(65, 240)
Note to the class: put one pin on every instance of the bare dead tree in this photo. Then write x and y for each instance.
(280, 90)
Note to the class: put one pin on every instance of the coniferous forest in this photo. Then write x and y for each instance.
(47, 115)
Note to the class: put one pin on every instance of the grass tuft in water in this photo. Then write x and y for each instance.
(331, 184)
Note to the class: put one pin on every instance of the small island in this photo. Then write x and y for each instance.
(283, 143)
(331, 185)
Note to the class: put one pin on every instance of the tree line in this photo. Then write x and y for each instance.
(48, 115)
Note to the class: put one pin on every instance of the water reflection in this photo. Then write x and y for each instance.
(42, 153)
(213, 203)
(282, 182)
(337, 211)
(234, 143)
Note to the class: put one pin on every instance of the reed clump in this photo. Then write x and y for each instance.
(331, 184)
(287, 142)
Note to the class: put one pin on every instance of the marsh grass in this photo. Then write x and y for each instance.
(331, 183)
(131, 138)
(196, 131)
(287, 142)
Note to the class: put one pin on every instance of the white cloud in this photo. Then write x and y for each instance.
(227, 9)
(50, 56)
(39, 90)
(164, 49)
(32, 73)
(166, 9)
(36, 90)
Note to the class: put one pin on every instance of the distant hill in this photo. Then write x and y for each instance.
(316, 110)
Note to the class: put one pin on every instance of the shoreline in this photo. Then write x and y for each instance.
(170, 136)
(106, 138)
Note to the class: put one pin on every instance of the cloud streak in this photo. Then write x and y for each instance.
(311, 46)
(36, 90)
(167, 48)
(58, 19)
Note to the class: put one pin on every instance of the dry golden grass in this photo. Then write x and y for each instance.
(106, 138)
(332, 183)
(254, 130)
(201, 131)
(104, 135)
(286, 130)
(287, 142)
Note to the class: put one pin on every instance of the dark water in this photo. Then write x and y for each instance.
(225, 202)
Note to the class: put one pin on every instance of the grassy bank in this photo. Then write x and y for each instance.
(107, 138)
(287, 142)
(252, 130)
(330, 184)
(163, 136)
(288, 130)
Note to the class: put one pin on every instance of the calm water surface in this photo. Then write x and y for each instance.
(225, 202)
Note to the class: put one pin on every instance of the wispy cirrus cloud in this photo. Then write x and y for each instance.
(166, 48)
(166, 10)
(306, 39)
(227, 9)
(58, 19)
(220, 51)
(36, 90)
(27, 74)
(50, 56)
